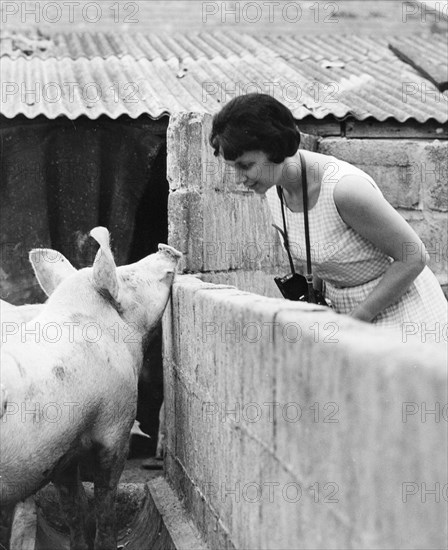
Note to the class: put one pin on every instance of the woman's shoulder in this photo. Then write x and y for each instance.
(331, 171)
(328, 164)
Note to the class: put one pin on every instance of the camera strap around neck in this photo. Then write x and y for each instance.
(309, 273)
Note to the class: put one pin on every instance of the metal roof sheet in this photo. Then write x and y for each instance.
(428, 58)
(75, 45)
(106, 74)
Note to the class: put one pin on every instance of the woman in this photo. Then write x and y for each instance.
(372, 262)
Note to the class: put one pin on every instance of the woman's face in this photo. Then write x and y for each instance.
(255, 171)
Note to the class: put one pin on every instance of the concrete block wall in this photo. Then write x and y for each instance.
(223, 230)
(413, 176)
(292, 427)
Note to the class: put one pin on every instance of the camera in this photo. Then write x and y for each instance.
(295, 287)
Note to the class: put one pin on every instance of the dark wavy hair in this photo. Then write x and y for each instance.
(255, 122)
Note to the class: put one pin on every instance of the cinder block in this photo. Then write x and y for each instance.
(434, 173)
(248, 498)
(185, 228)
(432, 228)
(184, 153)
(301, 341)
(241, 237)
(395, 165)
(309, 142)
(191, 163)
(242, 338)
(280, 521)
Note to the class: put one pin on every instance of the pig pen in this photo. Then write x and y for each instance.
(289, 426)
(120, 167)
(214, 439)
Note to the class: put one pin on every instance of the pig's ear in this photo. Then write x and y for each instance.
(104, 268)
(50, 268)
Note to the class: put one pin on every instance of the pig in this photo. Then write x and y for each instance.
(67, 373)
(10, 315)
(18, 314)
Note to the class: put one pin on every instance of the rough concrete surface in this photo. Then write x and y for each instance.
(354, 470)
(409, 172)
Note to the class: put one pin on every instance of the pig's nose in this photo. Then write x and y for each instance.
(170, 251)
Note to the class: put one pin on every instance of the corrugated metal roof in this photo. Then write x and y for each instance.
(104, 73)
(192, 45)
(434, 48)
(429, 59)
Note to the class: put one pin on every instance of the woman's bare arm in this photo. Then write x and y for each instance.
(364, 209)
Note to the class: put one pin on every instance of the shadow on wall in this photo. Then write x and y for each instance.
(62, 177)
(151, 228)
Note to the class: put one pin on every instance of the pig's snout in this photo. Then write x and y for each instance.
(170, 251)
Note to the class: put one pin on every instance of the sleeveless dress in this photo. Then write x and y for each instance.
(350, 265)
